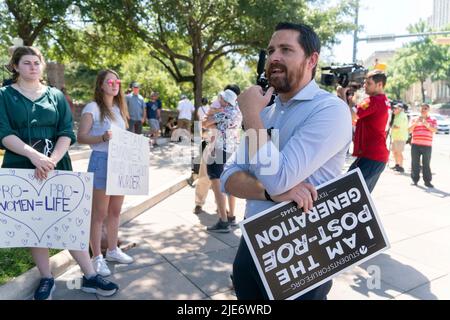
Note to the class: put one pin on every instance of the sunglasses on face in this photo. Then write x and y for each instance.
(111, 82)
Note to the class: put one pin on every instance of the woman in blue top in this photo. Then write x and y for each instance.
(36, 131)
(108, 107)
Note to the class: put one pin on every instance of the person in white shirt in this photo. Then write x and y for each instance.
(185, 109)
(95, 129)
(203, 183)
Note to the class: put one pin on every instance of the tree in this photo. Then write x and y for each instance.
(188, 37)
(398, 82)
(419, 60)
(152, 76)
(30, 19)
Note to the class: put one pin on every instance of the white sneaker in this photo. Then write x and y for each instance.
(118, 256)
(100, 266)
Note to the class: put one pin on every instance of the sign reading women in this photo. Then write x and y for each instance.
(128, 163)
(52, 213)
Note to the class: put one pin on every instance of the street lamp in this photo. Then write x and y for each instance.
(355, 34)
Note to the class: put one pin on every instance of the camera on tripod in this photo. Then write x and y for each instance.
(350, 75)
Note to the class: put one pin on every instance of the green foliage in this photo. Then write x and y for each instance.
(33, 19)
(189, 37)
(14, 262)
(80, 81)
(152, 76)
(418, 61)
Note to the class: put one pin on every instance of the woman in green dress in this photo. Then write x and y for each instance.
(36, 131)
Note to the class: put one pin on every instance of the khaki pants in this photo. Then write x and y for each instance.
(184, 124)
(203, 184)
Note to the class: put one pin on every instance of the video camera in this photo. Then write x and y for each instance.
(352, 75)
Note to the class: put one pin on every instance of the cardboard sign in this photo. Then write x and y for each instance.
(54, 213)
(128, 163)
(296, 252)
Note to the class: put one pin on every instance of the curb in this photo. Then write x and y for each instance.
(80, 155)
(22, 287)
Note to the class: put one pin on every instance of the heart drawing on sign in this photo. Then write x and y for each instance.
(40, 208)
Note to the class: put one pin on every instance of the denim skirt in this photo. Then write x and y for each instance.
(98, 165)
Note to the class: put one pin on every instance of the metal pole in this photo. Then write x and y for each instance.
(355, 34)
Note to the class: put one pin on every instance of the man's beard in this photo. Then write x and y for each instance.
(288, 81)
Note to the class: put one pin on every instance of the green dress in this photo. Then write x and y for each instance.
(48, 117)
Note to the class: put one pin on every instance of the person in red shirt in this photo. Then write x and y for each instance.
(422, 130)
(369, 140)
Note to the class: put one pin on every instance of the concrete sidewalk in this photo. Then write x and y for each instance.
(168, 172)
(177, 259)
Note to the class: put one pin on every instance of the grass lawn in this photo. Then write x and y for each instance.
(15, 261)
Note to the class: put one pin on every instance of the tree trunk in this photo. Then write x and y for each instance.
(198, 85)
(422, 87)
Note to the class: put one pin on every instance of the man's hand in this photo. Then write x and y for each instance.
(343, 94)
(252, 101)
(303, 194)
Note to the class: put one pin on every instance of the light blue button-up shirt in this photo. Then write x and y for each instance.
(310, 138)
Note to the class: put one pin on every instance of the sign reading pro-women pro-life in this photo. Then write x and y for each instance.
(128, 163)
(51, 213)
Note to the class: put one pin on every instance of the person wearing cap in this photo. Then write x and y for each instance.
(136, 110)
(154, 107)
(226, 124)
(185, 109)
(203, 183)
(399, 136)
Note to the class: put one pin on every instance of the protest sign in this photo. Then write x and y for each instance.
(296, 252)
(52, 213)
(128, 163)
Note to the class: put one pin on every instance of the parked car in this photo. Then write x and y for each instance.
(443, 123)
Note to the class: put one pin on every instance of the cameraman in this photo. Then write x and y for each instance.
(369, 141)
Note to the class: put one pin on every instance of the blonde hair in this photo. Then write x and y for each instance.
(18, 53)
(118, 100)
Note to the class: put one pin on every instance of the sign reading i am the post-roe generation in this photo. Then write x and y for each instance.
(296, 251)
(51, 213)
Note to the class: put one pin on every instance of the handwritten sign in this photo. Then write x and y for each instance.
(128, 163)
(296, 251)
(54, 213)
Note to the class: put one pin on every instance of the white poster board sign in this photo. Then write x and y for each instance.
(296, 251)
(53, 213)
(128, 163)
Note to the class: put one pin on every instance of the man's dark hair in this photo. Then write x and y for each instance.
(308, 38)
(377, 76)
(204, 101)
(233, 87)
